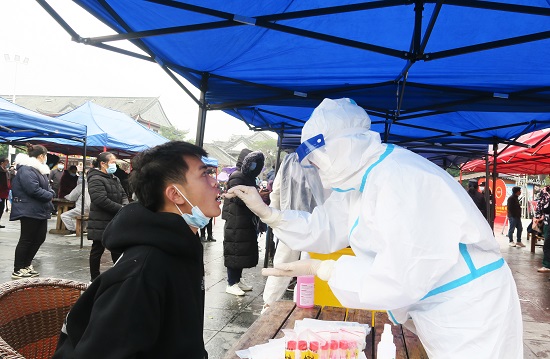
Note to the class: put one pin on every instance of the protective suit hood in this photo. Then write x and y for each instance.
(344, 143)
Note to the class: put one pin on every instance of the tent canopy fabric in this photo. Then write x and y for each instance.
(532, 160)
(20, 124)
(455, 72)
(108, 129)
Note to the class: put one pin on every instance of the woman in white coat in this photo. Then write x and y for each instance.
(423, 250)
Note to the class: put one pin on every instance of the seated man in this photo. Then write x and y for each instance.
(69, 217)
(68, 182)
(150, 304)
(536, 227)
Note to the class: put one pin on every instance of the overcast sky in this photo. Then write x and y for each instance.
(61, 67)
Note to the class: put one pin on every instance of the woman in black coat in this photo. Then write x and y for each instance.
(106, 198)
(32, 205)
(240, 242)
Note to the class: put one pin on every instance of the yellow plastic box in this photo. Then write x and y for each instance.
(323, 295)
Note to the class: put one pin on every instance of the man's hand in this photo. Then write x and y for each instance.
(253, 200)
(322, 269)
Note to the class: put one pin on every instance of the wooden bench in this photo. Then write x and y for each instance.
(63, 205)
(79, 220)
(283, 314)
(533, 238)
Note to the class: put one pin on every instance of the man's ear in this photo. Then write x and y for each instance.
(173, 195)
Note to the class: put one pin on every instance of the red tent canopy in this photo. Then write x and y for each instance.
(521, 160)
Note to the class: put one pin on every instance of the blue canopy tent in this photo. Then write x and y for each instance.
(422, 69)
(109, 130)
(18, 124)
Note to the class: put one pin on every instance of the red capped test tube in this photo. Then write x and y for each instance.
(302, 349)
(334, 351)
(290, 351)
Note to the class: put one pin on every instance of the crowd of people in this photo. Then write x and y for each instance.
(29, 187)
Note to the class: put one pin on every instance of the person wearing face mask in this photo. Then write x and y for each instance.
(152, 300)
(68, 181)
(56, 175)
(107, 197)
(32, 206)
(69, 217)
(240, 239)
(438, 270)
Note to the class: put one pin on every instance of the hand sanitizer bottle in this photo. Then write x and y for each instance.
(305, 291)
(386, 347)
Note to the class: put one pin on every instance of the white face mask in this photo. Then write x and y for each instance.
(196, 219)
(60, 167)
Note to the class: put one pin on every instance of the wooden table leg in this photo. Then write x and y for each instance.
(59, 225)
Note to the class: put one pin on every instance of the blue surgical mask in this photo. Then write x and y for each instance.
(112, 168)
(196, 219)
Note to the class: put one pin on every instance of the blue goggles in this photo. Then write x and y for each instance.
(309, 146)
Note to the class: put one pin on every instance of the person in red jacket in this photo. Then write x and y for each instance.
(68, 182)
(4, 185)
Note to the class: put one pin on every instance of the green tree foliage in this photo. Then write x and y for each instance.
(173, 133)
(453, 171)
(3, 150)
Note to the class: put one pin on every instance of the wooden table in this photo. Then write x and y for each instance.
(283, 314)
(63, 205)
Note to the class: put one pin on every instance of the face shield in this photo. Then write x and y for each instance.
(312, 156)
(315, 185)
(300, 185)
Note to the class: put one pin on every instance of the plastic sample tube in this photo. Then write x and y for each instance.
(303, 352)
(314, 350)
(344, 349)
(353, 350)
(290, 351)
(334, 351)
(325, 350)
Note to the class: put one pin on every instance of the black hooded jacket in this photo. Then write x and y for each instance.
(240, 246)
(151, 303)
(107, 198)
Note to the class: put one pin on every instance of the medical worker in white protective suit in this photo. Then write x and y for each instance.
(423, 250)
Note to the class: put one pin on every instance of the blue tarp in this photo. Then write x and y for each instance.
(20, 124)
(112, 130)
(428, 72)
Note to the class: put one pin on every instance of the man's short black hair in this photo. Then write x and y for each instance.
(516, 189)
(155, 167)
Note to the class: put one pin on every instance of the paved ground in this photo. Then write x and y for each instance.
(227, 316)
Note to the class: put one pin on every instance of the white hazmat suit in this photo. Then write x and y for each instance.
(423, 250)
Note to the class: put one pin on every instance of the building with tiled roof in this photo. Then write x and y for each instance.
(145, 110)
(224, 158)
(238, 142)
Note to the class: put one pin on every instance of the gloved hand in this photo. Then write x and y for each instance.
(322, 269)
(253, 200)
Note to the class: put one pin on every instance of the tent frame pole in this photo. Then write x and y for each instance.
(83, 194)
(493, 205)
(487, 192)
(201, 123)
